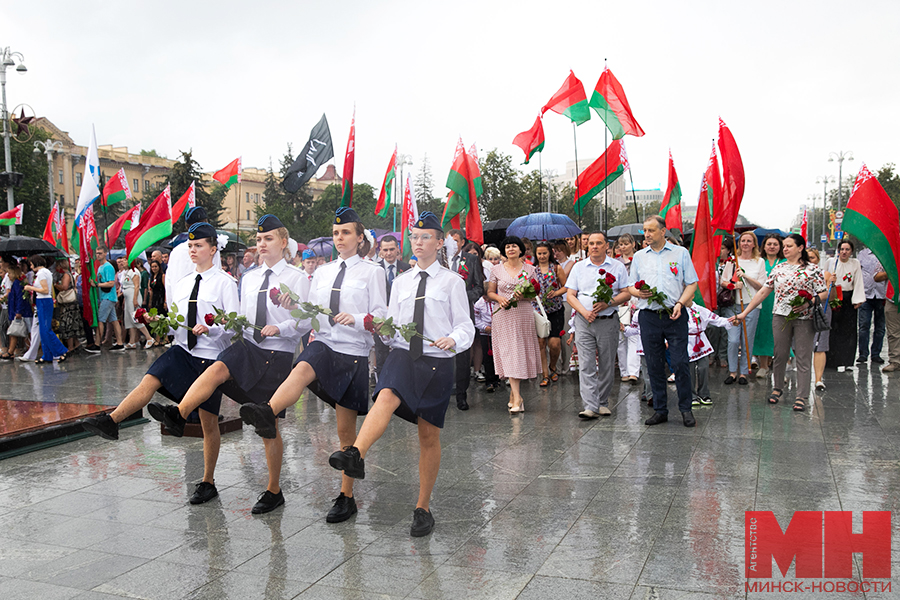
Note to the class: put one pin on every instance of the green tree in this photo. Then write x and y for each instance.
(890, 181)
(502, 197)
(151, 152)
(423, 187)
(185, 171)
(34, 192)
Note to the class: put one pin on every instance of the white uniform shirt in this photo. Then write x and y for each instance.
(290, 330)
(217, 290)
(362, 293)
(180, 265)
(484, 314)
(585, 274)
(446, 309)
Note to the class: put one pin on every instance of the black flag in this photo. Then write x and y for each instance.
(314, 154)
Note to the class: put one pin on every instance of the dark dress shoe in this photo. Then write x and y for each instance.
(423, 523)
(168, 415)
(656, 419)
(262, 418)
(350, 462)
(729, 380)
(878, 360)
(688, 417)
(204, 493)
(461, 403)
(343, 509)
(103, 426)
(267, 502)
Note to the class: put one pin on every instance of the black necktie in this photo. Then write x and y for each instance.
(391, 274)
(192, 313)
(415, 344)
(335, 304)
(261, 308)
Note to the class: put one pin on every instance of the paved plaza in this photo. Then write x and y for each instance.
(535, 506)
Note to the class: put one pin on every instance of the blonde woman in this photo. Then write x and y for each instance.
(745, 275)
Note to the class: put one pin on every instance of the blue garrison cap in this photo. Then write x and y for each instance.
(268, 223)
(428, 220)
(199, 231)
(344, 215)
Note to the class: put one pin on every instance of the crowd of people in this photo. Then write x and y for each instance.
(411, 334)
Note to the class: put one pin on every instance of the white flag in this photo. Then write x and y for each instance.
(90, 182)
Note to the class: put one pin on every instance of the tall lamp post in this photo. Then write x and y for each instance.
(402, 160)
(824, 180)
(8, 58)
(49, 148)
(840, 157)
(811, 224)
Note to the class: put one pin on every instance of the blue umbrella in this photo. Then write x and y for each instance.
(322, 246)
(543, 226)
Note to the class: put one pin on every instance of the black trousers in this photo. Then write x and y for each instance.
(463, 361)
(656, 330)
(487, 360)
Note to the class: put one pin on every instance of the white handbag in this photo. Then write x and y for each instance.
(17, 328)
(541, 322)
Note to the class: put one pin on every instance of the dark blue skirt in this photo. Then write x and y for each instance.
(177, 369)
(255, 373)
(422, 385)
(341, 379)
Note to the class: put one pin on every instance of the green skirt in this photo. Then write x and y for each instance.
(764, 342)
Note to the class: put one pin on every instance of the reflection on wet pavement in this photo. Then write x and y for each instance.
(539, 505)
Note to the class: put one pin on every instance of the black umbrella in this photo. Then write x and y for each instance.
(635, 229)
(20, 245)
(495, 231)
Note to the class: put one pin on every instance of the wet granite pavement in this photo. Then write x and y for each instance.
(539, 505)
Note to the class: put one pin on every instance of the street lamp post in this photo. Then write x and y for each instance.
(811, 225)
(840, 157)
(403, 160)
(824, 180)
(49, 148)
(8, 58)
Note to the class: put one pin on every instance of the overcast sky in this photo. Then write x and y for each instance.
(793, 80)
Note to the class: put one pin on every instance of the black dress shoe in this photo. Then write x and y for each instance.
(343, 509)
(267, 502)
(862, 360)
(729, 380)
(350, 462)
(688, 417)
(103, 426)
(204, 493)
(878, 360)
(262, 418)
(656, 419)
(461, 403)
(422, 523)
(168, 415)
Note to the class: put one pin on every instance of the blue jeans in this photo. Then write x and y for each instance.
(871, 307)
(737, 360)
(50, 344)
(656, 330)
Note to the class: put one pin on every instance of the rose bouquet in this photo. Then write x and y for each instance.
(387, 328)
(159, 325)
(604, 292)
(528, 288)
(655, 295)
(231, 321)
(800, 299)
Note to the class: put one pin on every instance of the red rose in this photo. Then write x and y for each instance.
(805, 295)
(640, 284)
(730, 286)
(610, 279)
(210, 319)
(536, 286)
(602, 272)
(273, 296)
(140, 315)
(369, 323)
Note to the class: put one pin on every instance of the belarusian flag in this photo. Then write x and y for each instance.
(408, 216)
(231, 174)
(63, 236)
(600, 174)
(87, 235)
(531, 141)
(90, 181)
(347, 181)
(703, 253)
(570, 101)
(711, 188)
(187, 200)
(128, 221)
(384, 198)
(156, 223)
(871, 216)
(116, 189)
(51, 230)
(474, 230)
(733, 190)
(611, 104)
(458, 183)
(13, 217)
(671, 204)
(804, 228)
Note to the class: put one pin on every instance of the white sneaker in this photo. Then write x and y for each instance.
(820, 386)
(671, 378)
(841, 369)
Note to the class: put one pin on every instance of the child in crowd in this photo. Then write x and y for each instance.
(484, 309)
(699, 318)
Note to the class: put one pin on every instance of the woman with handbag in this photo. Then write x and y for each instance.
(41, 327)
(764, 342)
(843, 337)
(65, 312)
(795, 282)
(553, 287)
(820, 342)
(741, 278)
(513, 334)
(19, 310)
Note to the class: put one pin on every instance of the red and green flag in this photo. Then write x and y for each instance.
(13, 217)
(384, 198)
(87, 236)
(570, 101)
(704, 250)
(611, 104)
(872, 217)
(599, 175)
(156, 223)
(733, 185)
(408, 216)
(116, 189)
(231, 174)
(128, 221)
(671, 204)
(458, 183)
(188, 200)
(347, 182)
(531, 141)
(474, 230)
(54, 231)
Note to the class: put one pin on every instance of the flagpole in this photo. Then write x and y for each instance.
(606, 171)
(741, 300)
(541, 182)
(637, 219)
(237, 204)
(105, 211)
(575, 138)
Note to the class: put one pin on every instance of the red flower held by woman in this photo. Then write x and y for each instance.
(140, 315)
(369, 323)
(210, 319)
(536, 285)
(274, 293)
